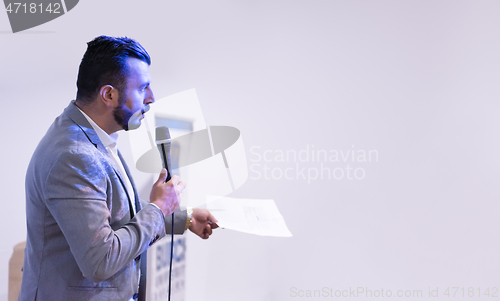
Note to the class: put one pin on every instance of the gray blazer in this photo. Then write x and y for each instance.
(82, 243)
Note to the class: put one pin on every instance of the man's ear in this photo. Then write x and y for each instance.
(108, 95)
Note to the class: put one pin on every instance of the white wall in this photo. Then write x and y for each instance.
(417, 81)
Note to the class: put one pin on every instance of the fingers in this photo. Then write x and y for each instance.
(182, 184)
(162, 177)
(212, 221)
(204, 216)
(212, 218)
(214, 225)
(177, 183)
(174, 180)
(207, 231)
(167, 195)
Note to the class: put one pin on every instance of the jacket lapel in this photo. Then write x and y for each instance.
(77, 117)
(73, 113)
(138, 205)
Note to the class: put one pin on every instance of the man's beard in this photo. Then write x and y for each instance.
(122, 115)
(127, 119)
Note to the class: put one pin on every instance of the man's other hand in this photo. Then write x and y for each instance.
(202, 223)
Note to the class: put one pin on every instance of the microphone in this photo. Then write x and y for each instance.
(163, 142)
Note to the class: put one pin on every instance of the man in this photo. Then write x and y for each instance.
(87, 228)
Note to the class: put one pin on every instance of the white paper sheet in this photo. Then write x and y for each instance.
(253, 216)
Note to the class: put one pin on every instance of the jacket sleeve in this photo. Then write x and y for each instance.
(180, 219)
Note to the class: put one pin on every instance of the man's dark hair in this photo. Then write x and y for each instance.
(104, 63)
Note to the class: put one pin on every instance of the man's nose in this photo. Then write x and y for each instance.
(150, 98)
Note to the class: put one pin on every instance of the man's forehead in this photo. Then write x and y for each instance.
(137, 68)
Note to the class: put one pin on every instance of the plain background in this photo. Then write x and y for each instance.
(418, 81)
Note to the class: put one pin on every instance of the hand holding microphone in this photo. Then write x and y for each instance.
(167, 195)
(167, 190)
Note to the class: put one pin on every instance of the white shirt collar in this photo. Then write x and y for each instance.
(107, 140)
